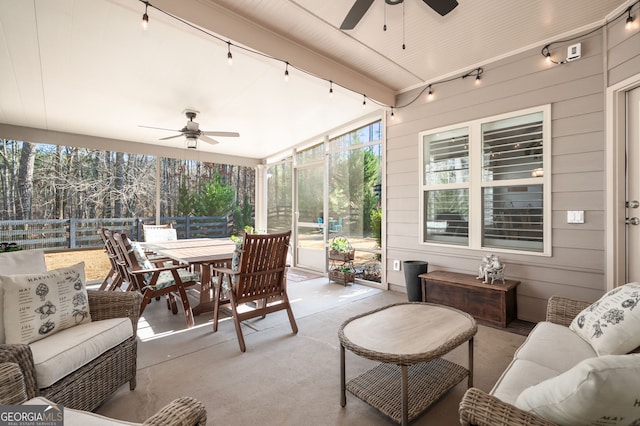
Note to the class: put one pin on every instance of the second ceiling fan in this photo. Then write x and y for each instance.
(360, 7)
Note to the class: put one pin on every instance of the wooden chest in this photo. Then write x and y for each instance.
(492, 303)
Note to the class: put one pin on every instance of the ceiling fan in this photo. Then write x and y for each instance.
(360, 7)
(191, 131)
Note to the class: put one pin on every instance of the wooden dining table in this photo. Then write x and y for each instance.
(200, 252)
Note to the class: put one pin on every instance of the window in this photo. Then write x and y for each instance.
(485, 183)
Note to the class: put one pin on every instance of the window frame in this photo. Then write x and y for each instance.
(476, 183)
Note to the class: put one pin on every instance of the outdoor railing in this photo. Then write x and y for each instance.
(83, 233)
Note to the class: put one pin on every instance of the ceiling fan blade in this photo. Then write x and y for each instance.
(170, 137)
(441, 6)
(356, 13)
(222, 134)
(160, 128)
(207, 139)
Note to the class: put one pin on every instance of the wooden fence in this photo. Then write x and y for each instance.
(83, 233)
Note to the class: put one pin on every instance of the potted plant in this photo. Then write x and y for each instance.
(342, 275)
(340, 249)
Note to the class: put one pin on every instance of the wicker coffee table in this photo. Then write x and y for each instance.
(414, 337)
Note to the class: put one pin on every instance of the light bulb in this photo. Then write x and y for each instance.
(430, 95)
(331, 89)
(145, 17)
(229, 55)
(286, 72)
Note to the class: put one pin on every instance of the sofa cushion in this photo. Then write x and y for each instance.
(39, 305)
(64, 352)
(519, 375)
(19, 262)
(547, 340)
(611, 324)
(80, 418)
(597, 391)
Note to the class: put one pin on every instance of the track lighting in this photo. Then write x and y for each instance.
(145, 17)
(229, 55)
(629, 24)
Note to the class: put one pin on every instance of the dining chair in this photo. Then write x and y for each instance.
(155, 233)
(115, 276)
(259, 276)
(156, 280)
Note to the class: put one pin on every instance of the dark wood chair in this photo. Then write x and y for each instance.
(115, 277)
(260, 277)
(156, 280)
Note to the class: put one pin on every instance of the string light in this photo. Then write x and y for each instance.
(629, 23)
(430, 95)
(393, 116)
(426, 87)
(145, 17)
(477, 72)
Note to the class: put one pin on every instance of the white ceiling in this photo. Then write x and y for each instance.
(87, 67)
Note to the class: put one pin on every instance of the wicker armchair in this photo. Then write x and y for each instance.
(90, 385)
(180, 412)
(481, 409)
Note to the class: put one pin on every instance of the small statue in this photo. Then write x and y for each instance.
(491, 269)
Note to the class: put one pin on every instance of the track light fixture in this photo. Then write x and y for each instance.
(145, 17)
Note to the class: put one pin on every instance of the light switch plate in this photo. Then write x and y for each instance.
(396, 265)
(575, 216)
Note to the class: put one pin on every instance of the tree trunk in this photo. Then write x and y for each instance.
(25, 180)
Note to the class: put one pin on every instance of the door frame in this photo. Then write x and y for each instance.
(615, 211)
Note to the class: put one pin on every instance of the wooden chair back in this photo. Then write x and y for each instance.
(116, 276)
(263, 266)
(260, 278)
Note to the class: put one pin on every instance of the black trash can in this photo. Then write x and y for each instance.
(413, 268)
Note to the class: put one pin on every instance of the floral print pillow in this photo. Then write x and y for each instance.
(612, 324)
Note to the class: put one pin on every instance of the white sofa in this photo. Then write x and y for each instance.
(565, 375)
(80, 366)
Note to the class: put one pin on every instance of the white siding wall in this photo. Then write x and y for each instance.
(576, 94)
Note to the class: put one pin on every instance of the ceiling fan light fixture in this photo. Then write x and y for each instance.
(192, 143)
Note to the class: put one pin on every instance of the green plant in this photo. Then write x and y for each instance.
(345, 269)
(339, 244)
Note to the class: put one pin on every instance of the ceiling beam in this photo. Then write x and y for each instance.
(30, 134)
(228, 24)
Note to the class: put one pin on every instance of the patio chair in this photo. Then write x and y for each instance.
(162, 279)
(154, 233)
(114, 278)
(260, 277)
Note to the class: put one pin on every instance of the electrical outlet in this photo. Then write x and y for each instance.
(396, 265)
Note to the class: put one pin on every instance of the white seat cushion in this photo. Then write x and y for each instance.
(64, 352)
(81, 418)
(598, 391)
(519, 375)
(547, 340)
